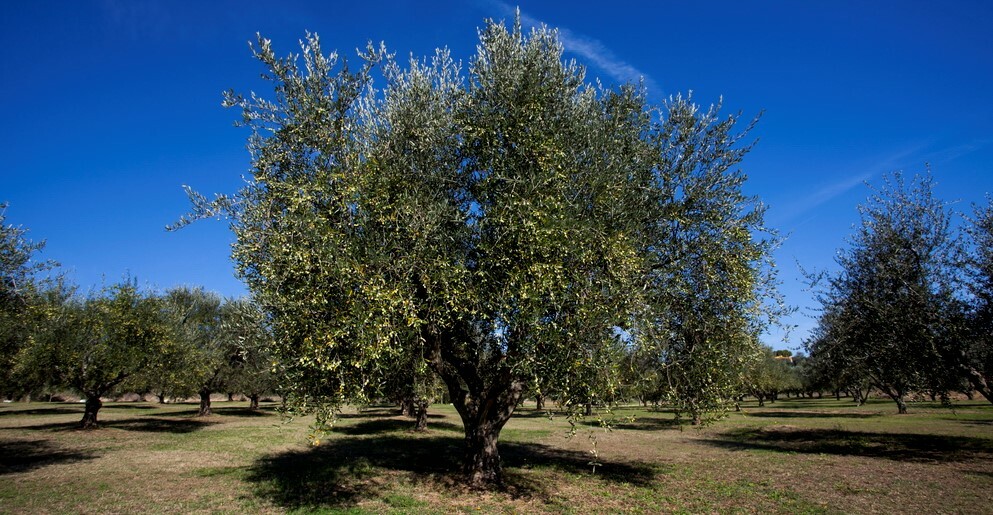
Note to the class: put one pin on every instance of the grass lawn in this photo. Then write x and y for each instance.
(794, 456)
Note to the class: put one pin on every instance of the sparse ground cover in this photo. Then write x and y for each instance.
(794, 456)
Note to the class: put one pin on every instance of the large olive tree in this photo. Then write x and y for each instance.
(501, 224)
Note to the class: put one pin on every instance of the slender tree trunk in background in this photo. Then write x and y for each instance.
(230, 397)
(421, 413)
(161, 397)
(253, 401)
(93, 405)
(588, 410)
(539, 402)
(407, 406)
(204, 403)
(898, 397)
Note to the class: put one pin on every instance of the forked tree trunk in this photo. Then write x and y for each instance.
(484, 402)
(204, 404)
(93, 405)
(253, 401)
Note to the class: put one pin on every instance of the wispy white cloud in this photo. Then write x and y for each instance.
(805, 203)
(590, 50)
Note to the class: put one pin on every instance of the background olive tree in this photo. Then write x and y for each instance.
(93, 345)
(21, 299)
(886, 312)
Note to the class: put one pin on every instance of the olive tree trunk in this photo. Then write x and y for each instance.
(484, 405)
(93, 405)
(204, 404)
(421, 414)
(253, 401)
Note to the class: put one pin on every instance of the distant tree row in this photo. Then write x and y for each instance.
(909, 310)
(178, 344)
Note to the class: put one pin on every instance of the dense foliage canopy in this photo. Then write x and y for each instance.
(511, 227)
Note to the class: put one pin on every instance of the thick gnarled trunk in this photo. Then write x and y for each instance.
(484, 402)
(421, 415)
(93, 405)
(204, 404)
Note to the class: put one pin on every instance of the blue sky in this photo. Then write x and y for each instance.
(110, 107)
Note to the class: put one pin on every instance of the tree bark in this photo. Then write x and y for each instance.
(421, 413)
(484, 405)
(539, 402)
(93, 405)
(204, 404)
(253, 401)
(898, 397)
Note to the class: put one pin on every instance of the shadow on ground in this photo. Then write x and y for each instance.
(648, 423)
(146, 424)
(892, 446)
(54, 410)
(390, 425)
(809, 414)
(347, 470)
(25, 455)
(244, 411)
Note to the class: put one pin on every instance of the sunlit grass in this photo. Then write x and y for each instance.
(793, 456)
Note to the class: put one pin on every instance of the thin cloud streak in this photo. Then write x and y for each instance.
(809, 202)
(591, 50)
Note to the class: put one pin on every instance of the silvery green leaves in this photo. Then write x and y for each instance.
(502, 226)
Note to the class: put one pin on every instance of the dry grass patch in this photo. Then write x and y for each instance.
(798, 456)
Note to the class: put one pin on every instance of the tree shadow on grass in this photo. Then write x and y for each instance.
(893, 446)
(345, 471)
(54, 410)
(146, 425)
(809, 414)
(130, 406)
(244, 411)
(388, 425)
(651, 423)
(25, 455)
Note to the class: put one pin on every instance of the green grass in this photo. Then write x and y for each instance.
(793, 456)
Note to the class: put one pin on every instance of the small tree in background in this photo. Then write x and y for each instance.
(886, 312)
(21, 302)
(975, 356)
(95, 344)
(252, 365)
